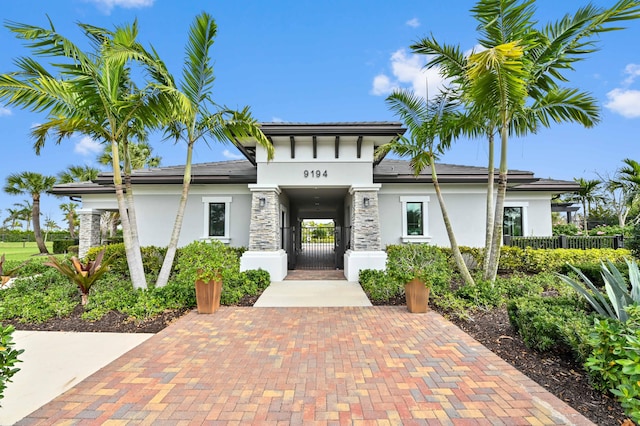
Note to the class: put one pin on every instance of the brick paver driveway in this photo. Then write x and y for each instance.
(369, 365)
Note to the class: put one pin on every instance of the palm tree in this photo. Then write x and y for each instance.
(197, 117)
(25, 212)
(140, 154)
(587, 194)
(34, 184)
(78, 174)
(14, 218)
(513, 83)
(70, 215)
(430, 125)
(92, 94)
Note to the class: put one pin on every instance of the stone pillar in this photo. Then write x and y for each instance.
(365, 252)
(264, 234)
(89, 234)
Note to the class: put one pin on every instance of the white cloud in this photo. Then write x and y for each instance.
(277, 120)
(5, 112)
(413, 23)
(87, 146)
(625, 102)
(232, 155)
(408, 72)
(108, 5)
(632, 71)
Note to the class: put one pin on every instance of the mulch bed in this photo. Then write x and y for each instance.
(554, 371)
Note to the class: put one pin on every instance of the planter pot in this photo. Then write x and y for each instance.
(417, 295)
(208, 296)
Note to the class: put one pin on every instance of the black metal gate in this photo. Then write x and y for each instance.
(315, 247)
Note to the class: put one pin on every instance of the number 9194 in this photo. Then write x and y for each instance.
(315, 173)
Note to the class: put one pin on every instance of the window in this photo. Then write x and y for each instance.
(414, 219)
(216, 218)
(514, 221)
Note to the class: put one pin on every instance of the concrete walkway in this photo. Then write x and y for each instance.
(299, 365)
(312, 294)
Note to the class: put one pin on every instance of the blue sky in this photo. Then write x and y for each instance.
(324, 61)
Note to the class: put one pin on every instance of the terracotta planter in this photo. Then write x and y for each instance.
(417, 295)
(208, 296)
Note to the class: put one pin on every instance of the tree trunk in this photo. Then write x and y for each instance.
(455, 250)
(488, 237)
(37, 233)
(131, 245)
(585, 228)
(167, 264)
(499, 209)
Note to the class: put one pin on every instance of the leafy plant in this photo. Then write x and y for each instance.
(379, 286)
(616, 287)
(83, 275)
(8, 357)
(422, 261)
(8, 272)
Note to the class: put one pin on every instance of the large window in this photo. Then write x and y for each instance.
(514, 220)
(415, 219)
(216, 218)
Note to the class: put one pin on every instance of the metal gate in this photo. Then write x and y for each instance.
(315, 247)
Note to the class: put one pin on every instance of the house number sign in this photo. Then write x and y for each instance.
(315, 173)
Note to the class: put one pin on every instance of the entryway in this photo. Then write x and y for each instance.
(320, 293)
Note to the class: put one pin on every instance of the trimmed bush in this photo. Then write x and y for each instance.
(547, 323)
(553, 260)
(379, 286)
(62, 246)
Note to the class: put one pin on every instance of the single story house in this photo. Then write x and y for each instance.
(320, 171)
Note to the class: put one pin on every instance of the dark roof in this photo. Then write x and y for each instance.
(400, 171)
(243, 172)
(370, 128)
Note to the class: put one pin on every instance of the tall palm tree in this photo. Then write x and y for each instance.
(514, 81)
(93, 94)
(431, 126)
(33, 184)
(70, 215)
(25, 212)
(197, 117)
(587, 194)
(14, 218)
(78, 174)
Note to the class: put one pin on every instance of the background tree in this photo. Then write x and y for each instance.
(78, 174)
(24, 211)
(34, 184)
(71, 216)
(140, 155)
(586, 195)
(14, 218)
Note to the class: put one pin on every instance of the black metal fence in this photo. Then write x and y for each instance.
(566, 242)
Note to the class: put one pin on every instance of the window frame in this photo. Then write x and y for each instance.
(425, 237)
(206, 202)
(525, 220)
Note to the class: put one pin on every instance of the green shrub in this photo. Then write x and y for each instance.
(633, 242)
(379, 286)
(152, 258)
(38, 299)
(614, 363)
(553, 260)
(565, 229)
(610, 230)
(61, 246)
(547, 323)
(8, 357)
(236, 285)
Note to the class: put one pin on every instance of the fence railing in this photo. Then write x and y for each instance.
(566, 242)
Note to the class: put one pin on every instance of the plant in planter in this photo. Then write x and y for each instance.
(7, 274)
(208, 291)
(417, 266)
(83, 275)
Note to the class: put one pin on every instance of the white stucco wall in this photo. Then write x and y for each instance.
(466, 207)
(157, 205)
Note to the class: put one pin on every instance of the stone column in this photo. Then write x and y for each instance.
(365, 219)
(264, 231)
(264, 234)
(365, 252)
(89, 234)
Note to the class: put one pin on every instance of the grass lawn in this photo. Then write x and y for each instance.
(20, 250)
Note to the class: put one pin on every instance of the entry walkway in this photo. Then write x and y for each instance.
(349, 365)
